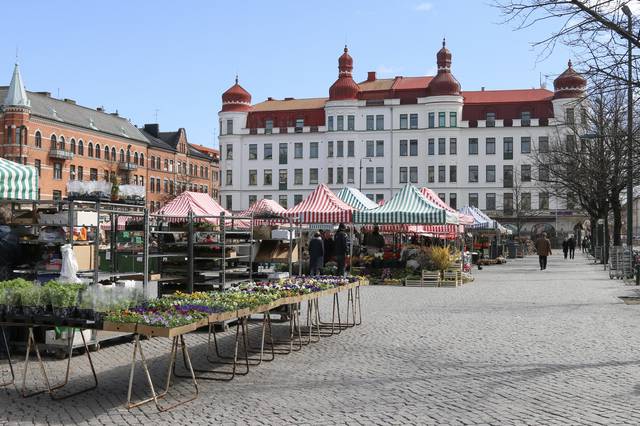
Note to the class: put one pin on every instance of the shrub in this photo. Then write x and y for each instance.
(440, 257)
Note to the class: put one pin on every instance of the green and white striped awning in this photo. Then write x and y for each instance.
(408, 206)
(18, 182)
(356, 199)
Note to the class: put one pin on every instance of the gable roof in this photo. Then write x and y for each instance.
(156, 142)
(506, 96)
(290, 104)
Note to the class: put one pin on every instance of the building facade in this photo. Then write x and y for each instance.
(66, 141)
(470, 147)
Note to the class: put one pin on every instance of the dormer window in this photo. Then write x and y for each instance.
(268, 127)
(525, 119)
(491, 119)
(300, 124)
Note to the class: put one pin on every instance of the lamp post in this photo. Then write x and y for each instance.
(627, 11)
(363, 158)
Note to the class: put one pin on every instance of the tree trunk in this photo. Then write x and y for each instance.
(616, 209)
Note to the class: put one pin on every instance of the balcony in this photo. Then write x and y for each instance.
(127, 166)
(60, 154)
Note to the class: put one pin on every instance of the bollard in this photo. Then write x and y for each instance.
(638, 274)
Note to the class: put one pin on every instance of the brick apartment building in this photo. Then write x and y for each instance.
(66, 141)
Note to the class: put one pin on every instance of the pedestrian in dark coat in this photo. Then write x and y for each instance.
(340, 246)
(565, 247)
(328, 247)
(572, 247)
(316, 254)
(543, 247)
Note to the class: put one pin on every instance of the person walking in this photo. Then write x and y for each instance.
(340, 247)
(329, 246)
(316, 254)
(572, 247)
(565, 247)
(543, 247)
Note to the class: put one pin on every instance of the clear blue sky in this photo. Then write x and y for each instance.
(179, 56)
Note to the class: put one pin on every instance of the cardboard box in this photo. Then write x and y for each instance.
(85, 257)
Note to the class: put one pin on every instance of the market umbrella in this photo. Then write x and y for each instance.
(18, 182)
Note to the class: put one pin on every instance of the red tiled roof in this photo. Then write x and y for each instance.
(411, 83)
(378, 84)
(506, 96)
(205, 149)
(290, 104)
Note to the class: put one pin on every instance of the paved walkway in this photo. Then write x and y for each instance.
(518, 346)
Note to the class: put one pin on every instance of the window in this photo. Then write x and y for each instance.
(370, 174)
(491, 201)
(413, 174)
(442, 119)
(379, 174)
(80, 174)
(370, 149)
(98, 151)
(282, 199)
(543, 144)
(330, 149)
(525, 145)
(313, 150)
(379, 148)
(350, 175)
(152, 182)
(453, 146)
(431, 146)
(525, 119)
(229, 127)
(229, 152)
(106, 153)
(525, 173)
(313, 176)
(267, 178)
(507, 176)
(380, 122)
(413, 147)
(473, 146)
(61, 144)
(253, 177)
(453, 119)
(404, 175)
(404, 121)
(525, 201)
(166, 162)
(297, 176)
(340, 175)
(299, 125)
(543, 201)
(351, 122)
(404, 147)
(268, 127)
(54, 140)
(39, 140)
(491, 173)
(283, 153)
(229, 202)
(252, 199)
(340, 122)
(473, 174)
(90, 149)
(283, 177)
(583, 116)
(507, 203)
(442, 146)
(507, 148)
(330, 124)
(491, 146)
(253, 151)
(453, 200)
(93, 174)
(413, 121)
(453, 174)
(229, 180)
(268, 151)
(80, 147)
(330, 175)
(431, 174)
(113, 157)
(473, 199)
(38, 165)
(351, 149)
(57, 171)
(432, 120)
(370, 119)
(339, 148)
(543, 173)
(491, 119)
(57, 195)
(297, 150)
(442, 173)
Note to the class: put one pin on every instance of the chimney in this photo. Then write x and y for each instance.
(47, 94)
(482, 89)
(115, 113)
(371, 76)
(152, 129)
(69, 101)
(269, 98)
(100, 109)
(288, 99)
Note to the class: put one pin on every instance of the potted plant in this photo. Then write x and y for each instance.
(440, 258)
(30, 299)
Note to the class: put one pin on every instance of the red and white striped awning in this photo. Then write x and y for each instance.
(322, 206)
(264, 208)
(428, 193)
(199, 204)
(121, 223)
(448, 231)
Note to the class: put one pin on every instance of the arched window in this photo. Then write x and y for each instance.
(135, 158)
(128, 155)
(38, 140)
(72, 146)
(21, 135)
(106, 153)
(61, 143)
(98, 152)
(142, 159)
(80, 147)
(113, 154)
(121, 155)
(90, 149)
(54, 142)
(201, 171)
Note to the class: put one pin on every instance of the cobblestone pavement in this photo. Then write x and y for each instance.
(518, 346)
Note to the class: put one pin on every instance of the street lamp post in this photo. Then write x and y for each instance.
(627, 12)
(363, 158)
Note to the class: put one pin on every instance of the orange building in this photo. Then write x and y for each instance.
(66, 141)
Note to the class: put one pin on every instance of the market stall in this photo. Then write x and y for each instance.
(356, 199)
(17, 182)
(486, 233)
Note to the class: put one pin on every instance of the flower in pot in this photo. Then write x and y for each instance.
(30, 299)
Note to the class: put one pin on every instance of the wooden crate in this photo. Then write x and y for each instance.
(165, 332)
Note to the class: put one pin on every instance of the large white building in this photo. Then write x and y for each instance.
(379, 134)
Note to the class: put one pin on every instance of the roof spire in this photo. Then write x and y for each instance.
(16, 95)
(569, 64)
(444, 42)
(236, 78)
